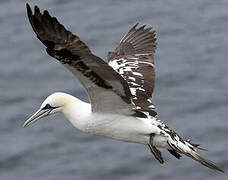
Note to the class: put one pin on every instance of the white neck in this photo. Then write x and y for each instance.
(77, 111)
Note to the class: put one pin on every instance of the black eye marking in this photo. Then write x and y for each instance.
(48, 106)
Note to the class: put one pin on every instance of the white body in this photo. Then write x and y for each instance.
(119, 127)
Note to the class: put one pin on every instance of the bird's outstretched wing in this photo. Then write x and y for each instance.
(133, 59)
(107, 90)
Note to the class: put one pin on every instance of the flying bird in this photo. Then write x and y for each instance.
(119, 91)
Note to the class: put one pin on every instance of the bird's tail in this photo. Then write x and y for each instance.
(189, 149)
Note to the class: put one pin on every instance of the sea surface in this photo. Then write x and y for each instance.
(191, 93)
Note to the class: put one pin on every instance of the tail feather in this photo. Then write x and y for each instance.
(203, 161)
(195, 145)
(184, 148)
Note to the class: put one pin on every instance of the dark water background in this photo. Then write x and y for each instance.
(191, 92)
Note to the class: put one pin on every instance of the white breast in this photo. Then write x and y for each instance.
(119, 127)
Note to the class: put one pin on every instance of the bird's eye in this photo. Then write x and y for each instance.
(48, 106)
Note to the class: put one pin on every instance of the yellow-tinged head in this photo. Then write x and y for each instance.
(54, 103)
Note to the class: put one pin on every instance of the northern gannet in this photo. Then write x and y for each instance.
(119, 91)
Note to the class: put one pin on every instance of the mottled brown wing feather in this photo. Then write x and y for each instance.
(107, 90)
(133, 59)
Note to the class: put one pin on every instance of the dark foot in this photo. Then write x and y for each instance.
(174, 153)
(157, 154)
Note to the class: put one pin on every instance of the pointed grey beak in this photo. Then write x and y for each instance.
(38, 115)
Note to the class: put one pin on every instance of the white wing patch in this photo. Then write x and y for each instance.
(133, 59)
(128, 69)
(122, 66)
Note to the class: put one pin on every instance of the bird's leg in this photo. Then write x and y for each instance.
(157, 154)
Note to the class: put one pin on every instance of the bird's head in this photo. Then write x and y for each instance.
(51, 105)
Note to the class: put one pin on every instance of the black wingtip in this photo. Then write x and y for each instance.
(29, 10)
(29, 13)
(46, 13)
(36, 9)
(27, 5)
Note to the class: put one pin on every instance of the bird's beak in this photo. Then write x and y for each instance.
(38, 115)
